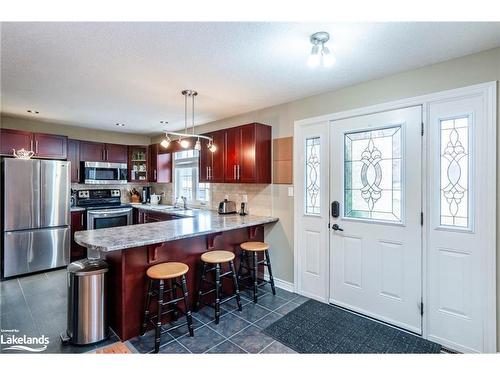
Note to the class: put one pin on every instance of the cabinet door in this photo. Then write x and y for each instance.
(116, 153)
(232, 148)
(91, 151)
(74, 158)
(50, 146)
(218, 157)
(153, 163)
(164, 167)
(77, 224)
(246, 165)
(205, 161)
(14, 139)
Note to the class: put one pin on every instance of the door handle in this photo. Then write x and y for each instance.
(336, 227)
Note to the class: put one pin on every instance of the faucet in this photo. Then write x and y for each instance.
(184, 200)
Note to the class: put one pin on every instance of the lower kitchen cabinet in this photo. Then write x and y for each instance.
(77, 224)
(142, 217)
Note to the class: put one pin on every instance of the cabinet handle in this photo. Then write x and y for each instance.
(78, 174)
(36, 147)
(238, 169)
(234, 172)
(155, 174)
(106, 154)
(102, 155)
(210, 170)
(31, 145)
(81, 220)
(208, 176)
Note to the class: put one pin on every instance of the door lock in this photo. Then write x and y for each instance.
(336, 227)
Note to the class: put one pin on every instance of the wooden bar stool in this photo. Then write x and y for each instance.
(158, 275)
(252, 249)
(217, 258)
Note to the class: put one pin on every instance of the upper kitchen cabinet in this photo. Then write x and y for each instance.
(160, 164)
(211, 167)
(138, 163)
(48, 146)
(248, 154)
(116, 153)
(14, 139)
(74, 158)
(108, 152)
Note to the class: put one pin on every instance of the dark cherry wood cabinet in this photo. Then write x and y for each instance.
(211, 164)
(48, 146)
(14, 139)
(248, 154)
(91, 151)
(160, 164)
(74, 158)
(116, 153)
(141, 216)
(77, 223)
(108, 152)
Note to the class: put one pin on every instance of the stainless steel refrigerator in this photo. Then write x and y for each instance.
(36, 215)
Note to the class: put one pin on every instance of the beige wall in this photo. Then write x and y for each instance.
(74, 132)
(464, 71)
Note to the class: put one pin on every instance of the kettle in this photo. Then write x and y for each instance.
(155, 199)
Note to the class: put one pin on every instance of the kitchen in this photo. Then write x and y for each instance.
(193, 222)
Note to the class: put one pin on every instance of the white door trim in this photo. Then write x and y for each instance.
(488, 91)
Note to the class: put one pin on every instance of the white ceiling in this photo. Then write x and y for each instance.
(98, 74)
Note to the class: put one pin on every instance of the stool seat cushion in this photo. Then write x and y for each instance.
(167, 270)
(217, 256)
(254, 246)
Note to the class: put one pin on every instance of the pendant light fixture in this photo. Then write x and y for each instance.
(184, 138)
(320, 54)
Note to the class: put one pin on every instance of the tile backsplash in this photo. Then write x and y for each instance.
(259, 195)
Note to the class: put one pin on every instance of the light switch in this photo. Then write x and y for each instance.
(290, 191)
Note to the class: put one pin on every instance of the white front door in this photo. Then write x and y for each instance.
(311, 224)
(375, 242)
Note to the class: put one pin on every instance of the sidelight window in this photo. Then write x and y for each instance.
(454, 172)
(313, 176)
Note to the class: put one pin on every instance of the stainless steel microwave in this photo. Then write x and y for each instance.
(95, 172)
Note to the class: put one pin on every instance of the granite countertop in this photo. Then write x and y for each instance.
(195, 223)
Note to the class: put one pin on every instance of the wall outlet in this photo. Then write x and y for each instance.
(290, 191)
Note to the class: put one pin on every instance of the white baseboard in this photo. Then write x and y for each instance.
(286, 285)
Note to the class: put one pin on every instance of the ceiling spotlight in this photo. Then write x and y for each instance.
(320, 54)
(32, 111)
(184, 143)
(211, 147)
(163, 122)
(120, 124)
(165, 142)
(197, 145)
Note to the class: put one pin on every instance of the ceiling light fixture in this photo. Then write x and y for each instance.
(320, 54)
(183, 138)
(32, 111)
(120, 124)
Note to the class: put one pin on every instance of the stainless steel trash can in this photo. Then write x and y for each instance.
(87, 315)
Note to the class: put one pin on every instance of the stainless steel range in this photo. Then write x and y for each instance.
(104, 208)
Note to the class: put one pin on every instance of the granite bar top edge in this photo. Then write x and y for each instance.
(203, 222)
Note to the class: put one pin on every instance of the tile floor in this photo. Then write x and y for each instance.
(37, 305)
(237, 332)
(24, 306)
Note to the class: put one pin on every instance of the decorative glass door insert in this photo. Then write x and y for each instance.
(372, 174)
(313, 176)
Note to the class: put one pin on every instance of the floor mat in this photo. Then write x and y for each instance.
(316, 327)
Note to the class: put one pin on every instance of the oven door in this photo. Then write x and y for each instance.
(107, 218)
(104, 173)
